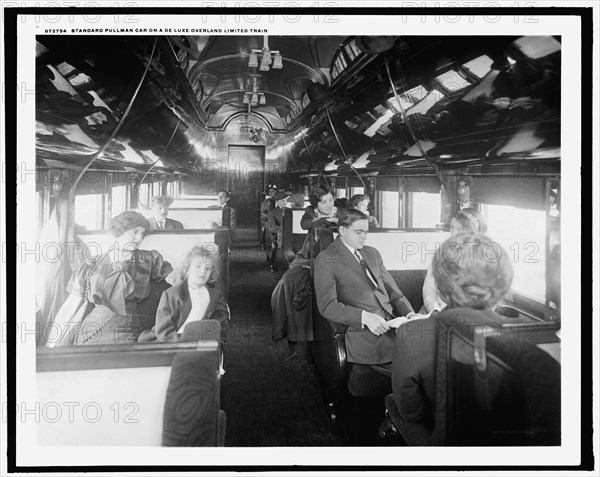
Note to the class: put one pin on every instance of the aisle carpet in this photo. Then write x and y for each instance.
(270, 401)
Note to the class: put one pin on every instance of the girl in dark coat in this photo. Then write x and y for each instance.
(195, 297)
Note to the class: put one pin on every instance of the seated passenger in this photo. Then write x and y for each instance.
(160, 210)
(113, 283)
(274, 224)
(223, 197)
(322, 214)
(466, 221)
(361, 202)
(471, 284)
(195, 296)
(354, 288)
(291, 300)
(321, 211)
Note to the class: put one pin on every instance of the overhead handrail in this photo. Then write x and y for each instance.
(410, 128)
(342, 149)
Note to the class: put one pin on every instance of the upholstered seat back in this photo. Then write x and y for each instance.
(195, 218)
(120, 394)
(494, 386)
(293, 235)
(193, 203)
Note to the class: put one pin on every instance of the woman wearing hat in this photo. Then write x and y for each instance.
(274, 225)
(267, 205)
(160, 210)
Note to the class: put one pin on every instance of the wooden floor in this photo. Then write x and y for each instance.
(270, 401)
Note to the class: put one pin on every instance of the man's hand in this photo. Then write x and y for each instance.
(376, 324)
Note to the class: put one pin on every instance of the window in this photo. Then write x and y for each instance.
(390, 208)
(356, 190)
(426, 209)
(119, 200)
(426, 103)
(479, 66)
(156, 188)
(417, 93)
(144, 195)
(351, 50)
(452, 81)
(305, 100)
(537, 46)
(522, 233)
(88, 211)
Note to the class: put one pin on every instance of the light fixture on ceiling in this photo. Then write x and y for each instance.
(252, 96)
(277, 61)
(253, 63)
(268, 57)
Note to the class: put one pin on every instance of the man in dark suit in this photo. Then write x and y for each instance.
(353, 287)
(274, 224)
(160, 210)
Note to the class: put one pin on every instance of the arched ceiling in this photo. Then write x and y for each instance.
(217, 68)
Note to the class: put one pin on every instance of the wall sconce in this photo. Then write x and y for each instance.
(253, 63)
(464, 193)
(371, 183)
(57, 186)
(132, 179)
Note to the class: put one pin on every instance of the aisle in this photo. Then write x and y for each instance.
(269, 401)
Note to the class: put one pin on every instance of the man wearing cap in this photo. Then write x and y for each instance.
(267, 205)
(160, 210)
(274, 223)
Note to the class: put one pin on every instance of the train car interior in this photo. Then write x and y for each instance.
(422, 127)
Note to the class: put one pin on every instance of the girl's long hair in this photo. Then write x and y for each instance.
(207, 252)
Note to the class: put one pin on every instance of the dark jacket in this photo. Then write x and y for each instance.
(343, 291)
(275, 222)
(267, 205)
(170, 224)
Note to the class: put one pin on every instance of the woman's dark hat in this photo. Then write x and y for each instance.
(281, 195)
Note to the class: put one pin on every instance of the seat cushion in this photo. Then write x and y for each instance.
(364, 381)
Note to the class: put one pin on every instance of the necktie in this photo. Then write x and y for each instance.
(161, 225)
(362, 262)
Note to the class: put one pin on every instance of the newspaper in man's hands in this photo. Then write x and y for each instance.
(400, 320)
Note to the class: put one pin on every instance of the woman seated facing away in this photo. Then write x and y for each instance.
(195, 296)
(296, 201)
(471, 284)
(466, 221)
(114, 282)
(291, 302)
(361, 202)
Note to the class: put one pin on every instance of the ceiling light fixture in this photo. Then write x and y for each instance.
(268, 57)
(252, 96)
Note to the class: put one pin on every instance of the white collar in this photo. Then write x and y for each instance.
(352, 250)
